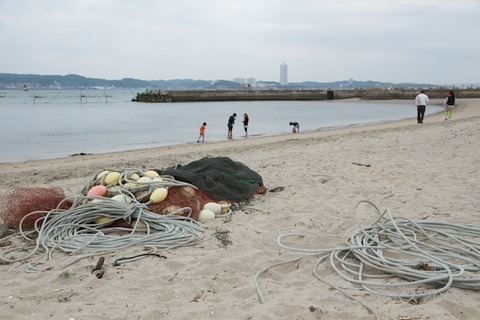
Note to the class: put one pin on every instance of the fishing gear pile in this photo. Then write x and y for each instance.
(122, 208)
(220, 178)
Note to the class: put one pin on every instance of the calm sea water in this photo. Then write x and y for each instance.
(44, 124)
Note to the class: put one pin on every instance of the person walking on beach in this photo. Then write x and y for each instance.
(449, 104)
(421, 101)
(202, 132)
(296, 127)
(245, 123)
(231, 122)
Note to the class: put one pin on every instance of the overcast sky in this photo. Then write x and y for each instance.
(421, 41)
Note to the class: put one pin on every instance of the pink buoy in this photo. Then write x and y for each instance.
(97, 191)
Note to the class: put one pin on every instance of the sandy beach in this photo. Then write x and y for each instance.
(427, 172)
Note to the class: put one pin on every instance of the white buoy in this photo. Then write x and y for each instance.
(214, 207)
(206, 215)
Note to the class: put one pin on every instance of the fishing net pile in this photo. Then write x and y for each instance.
(220, 178)
(19, 202)
(119, 208)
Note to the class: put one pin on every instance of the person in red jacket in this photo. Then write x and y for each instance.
(202, 132)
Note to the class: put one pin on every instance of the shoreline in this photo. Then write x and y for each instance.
(49, 142)
(176, 154)
(427, 172)
(239, 141)
(242, 137)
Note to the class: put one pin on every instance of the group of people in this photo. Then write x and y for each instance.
(231, 122)
(422, 99)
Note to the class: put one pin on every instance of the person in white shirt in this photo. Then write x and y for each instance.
(421, 101)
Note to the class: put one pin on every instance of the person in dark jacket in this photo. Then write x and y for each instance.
(245, 123)
(449, 104)
(296, 127)
(231, 122)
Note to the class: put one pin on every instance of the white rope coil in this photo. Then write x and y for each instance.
(402, 258)
(83, 229)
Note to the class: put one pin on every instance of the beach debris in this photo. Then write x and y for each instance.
(80, 154)
(98, 270)
(66, 274)
(361, 164)
(197, 297)
(276, 189)
(124, 260)
(222, 235)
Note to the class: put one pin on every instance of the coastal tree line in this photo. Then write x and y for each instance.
(73, 81)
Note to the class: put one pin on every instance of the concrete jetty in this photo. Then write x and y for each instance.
(287, 94)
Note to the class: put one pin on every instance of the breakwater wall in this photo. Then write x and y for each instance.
(287, 94)
(229, 95)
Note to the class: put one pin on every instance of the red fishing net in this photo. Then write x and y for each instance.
(19, 202)
(181, 197)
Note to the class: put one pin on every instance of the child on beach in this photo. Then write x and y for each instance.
(245, 123)
(202, 132)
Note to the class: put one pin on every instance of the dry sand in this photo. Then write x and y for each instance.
(432, 170)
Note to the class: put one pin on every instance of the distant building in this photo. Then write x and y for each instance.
(246, 82)
(252, 82)
(240, 80)
(284, 74)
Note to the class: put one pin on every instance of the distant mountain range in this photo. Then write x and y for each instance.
(73, 81)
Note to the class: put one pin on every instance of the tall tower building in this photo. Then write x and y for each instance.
(284, 74)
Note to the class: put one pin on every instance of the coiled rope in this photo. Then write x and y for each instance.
(83, 229)
(395, 253)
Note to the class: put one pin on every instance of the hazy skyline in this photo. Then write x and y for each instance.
(422, 41)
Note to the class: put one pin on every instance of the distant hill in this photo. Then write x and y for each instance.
(73, 81)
